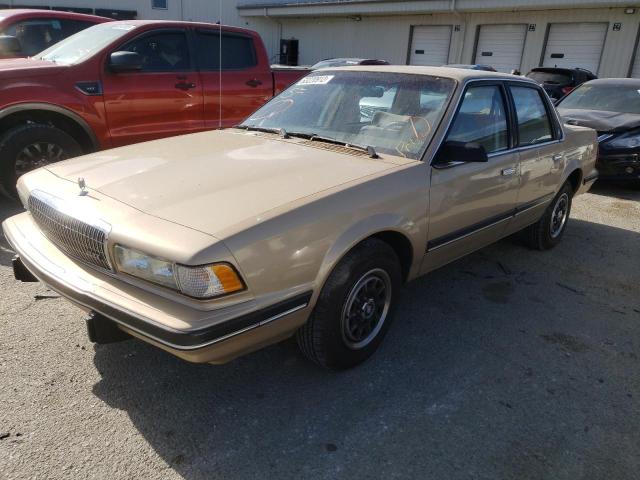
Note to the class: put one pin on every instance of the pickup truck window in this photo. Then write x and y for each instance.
(161, 52)
(380, 110)
(35, 35)
(237, 51)
(84, 44)
(482, 119)
(534, 125)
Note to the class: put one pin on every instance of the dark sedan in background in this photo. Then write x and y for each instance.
(558, 82)
(612, 107)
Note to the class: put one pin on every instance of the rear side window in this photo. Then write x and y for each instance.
(237, 51)
(161, 52)
(551, 78)
(534, 125)
(482, 119)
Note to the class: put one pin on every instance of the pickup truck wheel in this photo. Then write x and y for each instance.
(27, 147)
(547, 232)
(355, 307)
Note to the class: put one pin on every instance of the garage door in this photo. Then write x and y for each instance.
(575, 45)
(430, 45)
(501, 46)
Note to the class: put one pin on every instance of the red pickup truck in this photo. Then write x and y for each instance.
(125, 82)
(25, 32)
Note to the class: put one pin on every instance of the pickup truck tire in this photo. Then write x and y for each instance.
(355, 307)
(547, 232)
(30, 146)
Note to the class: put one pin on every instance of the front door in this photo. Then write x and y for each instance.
(471, 204)
(161, 100)
(235, 81)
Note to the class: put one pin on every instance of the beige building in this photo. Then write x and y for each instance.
(599, 35)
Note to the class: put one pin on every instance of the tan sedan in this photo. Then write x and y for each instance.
(306, 219)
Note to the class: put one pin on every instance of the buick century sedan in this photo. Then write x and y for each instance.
(307, 218)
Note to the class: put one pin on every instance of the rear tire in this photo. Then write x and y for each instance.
(547, 232)
(27, 147)
(355, 307)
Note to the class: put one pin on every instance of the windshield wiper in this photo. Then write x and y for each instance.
(280, 131)
(312, 136)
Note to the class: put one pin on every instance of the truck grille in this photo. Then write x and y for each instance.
(78, 239)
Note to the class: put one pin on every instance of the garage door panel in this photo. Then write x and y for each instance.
(430, 45)
(575, 45)
(501, 46)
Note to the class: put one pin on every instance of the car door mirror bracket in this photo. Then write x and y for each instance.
(453, 153)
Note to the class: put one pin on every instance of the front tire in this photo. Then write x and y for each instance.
(547, 232)
(30, 146)
(355, 308)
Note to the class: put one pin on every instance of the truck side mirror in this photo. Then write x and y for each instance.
(125, 62)
(9, 46)
(453, 151)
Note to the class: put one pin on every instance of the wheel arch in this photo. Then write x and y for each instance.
(575, 179)
(55, 115)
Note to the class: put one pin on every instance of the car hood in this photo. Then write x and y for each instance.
(602, 121)
(212, 181)
(27, 67)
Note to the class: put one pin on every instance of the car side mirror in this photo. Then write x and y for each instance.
(9, 46)
(467, 152)
(125, 62)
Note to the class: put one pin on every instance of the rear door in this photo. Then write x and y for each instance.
(501, 46)
(471, 204)
(236, 81)
(539, 140)
(161, 100)
(571, 45)
(430, 45)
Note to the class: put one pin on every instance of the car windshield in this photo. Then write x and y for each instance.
(555, 78)
(609, 98)
(82, 45)
(391, 112)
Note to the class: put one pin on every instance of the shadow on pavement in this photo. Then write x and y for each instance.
(493, 369)
(620, 190)
(8, 208)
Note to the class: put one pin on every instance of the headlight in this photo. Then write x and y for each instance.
(207, 281)
(624, 141)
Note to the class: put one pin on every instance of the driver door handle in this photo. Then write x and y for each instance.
(508, 171)
(557, 157)
(254, 82)
(185, 85)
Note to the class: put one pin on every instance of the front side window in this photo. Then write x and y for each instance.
(482, 119)
(161, 52)
(534, 125)
(393, 113)
(237, 51)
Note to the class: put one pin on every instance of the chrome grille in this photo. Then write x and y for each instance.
(78, 239)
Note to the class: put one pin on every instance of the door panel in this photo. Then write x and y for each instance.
(541, 158)
(162, 100)
(430, 45)
(246, 83)
(471, 204)
(573, 45)
(501, 46)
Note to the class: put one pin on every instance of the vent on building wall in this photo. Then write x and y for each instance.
(159, 4)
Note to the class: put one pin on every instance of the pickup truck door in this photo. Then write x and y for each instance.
(542, 160)
(161, 100)
(471, 204)
(236, 77)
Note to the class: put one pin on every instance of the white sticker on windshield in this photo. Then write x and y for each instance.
(316, 80)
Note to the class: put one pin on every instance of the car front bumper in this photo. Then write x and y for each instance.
(619, 167)
(212, 336)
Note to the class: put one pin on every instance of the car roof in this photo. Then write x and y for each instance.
(12, 14)
(460, 74)
(616, 82)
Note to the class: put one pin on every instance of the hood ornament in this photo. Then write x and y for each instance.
(83, 187)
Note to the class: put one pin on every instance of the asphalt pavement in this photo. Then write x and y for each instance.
(507, 364)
